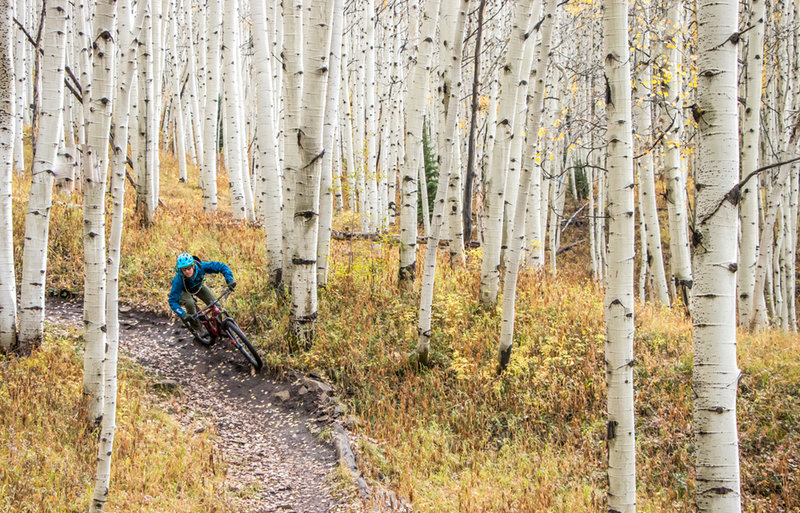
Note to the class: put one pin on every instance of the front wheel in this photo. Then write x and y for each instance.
(240, 341)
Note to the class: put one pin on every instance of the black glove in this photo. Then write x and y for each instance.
(231, 285)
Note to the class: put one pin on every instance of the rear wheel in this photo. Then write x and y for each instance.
(241, 343)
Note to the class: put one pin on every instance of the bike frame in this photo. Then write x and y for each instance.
(212, 316)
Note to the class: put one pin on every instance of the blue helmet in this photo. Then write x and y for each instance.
(184, 260)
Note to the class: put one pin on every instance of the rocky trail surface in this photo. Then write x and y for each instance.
(266, 427)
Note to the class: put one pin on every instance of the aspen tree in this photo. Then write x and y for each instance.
(715, 376)
(671, 100)
(328, 143)
(471, 142)
(37, 218)
(346, 129)
(413, 164)
(495, 179)
(751, 128)
(449, 10)
(180, 135)
(316, 53)
(527, 170)
(146, 123)
(208, 173)
(292, 101)
(194, 87)
(619, 302)
(450, 80)
(371, 113)
(20, 76)
(8, 124)
(235, 145)
(97, 101)
(121, 103)
(654, 261)
(269, 198)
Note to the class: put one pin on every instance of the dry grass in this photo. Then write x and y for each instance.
(455, 436)
(47, 453)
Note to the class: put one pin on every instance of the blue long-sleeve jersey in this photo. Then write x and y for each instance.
(193, 284)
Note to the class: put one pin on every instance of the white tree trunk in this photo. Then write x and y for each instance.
(619, 301)
(528, 169)
(97, 102)
(146, 124)
(208, 174)
(450, 9)
(266, 146)
(715, 376)
(127, 70)
(751, 129)
(20, 75)
(316, 54)
(328, 144)
(8, 123)
(292, 101)
(654, 259)
(37, 219)
(495, 179)
(672, 126)
(371, 149)
(416, 105)
(235, 142)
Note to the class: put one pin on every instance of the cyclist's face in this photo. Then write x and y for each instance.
(188, 271)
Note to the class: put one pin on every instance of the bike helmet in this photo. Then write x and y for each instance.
(184, 260)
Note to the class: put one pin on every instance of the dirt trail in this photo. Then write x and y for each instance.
(275, 463)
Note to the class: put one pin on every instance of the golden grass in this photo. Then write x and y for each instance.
(455, 436)
(48, 454)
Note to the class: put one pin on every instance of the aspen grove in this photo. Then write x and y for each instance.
(453, 131)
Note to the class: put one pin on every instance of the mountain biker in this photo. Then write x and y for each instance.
(190, 273)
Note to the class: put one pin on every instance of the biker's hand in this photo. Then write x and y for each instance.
(231, 285)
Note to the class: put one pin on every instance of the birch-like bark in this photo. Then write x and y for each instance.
(180, 131)
(97, 102)
(715, 376)
(328, 143)
(450, 150)
(672, 126)
(121, 102)
(316, 53)
(235, 140)
(347, 135)
(146, 123)
(528, 169)
(208, 173)
(8, 123)
(37, 219)
(654, 259)
(20, 76)
(266, 145)
(292, 101)
(449, 11)
(371, 112)
(751, 130)
(619, 301)
(495, 178)
(416, 103)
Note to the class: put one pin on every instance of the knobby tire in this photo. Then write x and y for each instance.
(241, 342)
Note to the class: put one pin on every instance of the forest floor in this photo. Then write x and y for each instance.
(271, 440)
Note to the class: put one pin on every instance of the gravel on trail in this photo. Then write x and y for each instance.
(274, 461)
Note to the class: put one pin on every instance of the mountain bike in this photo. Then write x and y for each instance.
(220, 326)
